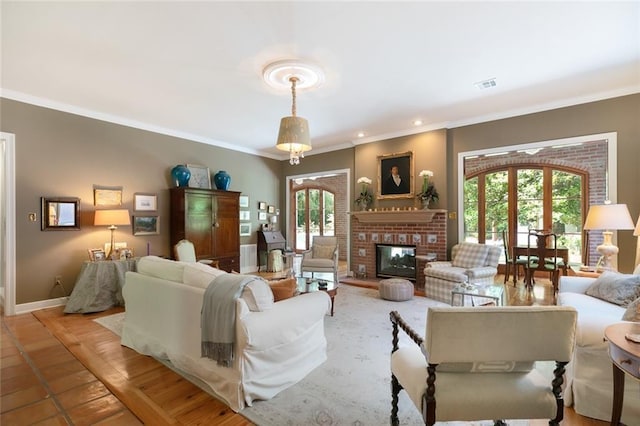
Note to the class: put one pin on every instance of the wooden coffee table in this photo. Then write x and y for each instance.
(309, 285)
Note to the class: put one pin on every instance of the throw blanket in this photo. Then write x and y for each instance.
(218, 316)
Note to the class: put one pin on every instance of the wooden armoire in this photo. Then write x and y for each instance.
(210, 219)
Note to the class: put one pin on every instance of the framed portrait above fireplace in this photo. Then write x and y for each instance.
(395, 175)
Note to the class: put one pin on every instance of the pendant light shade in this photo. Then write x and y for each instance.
(294, 137)
(294, 131)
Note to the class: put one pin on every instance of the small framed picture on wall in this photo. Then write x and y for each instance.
(146, 225)
(145, 202)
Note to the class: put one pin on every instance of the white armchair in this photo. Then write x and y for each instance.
(465, 370)
(184, 251)
(323, 257)
(471, 264)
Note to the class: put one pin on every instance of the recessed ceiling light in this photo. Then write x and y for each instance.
(486, 84)
(361, 134)
(417, 122)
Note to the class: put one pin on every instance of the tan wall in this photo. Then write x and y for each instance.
(613, 115)
(429, 152)
(61, 154)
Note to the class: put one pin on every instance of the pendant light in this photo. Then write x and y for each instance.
(294, 131)
(294, 134)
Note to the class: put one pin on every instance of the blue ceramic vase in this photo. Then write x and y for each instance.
(180, 175)
(222, 180)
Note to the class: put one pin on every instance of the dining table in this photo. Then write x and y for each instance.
(543, 253)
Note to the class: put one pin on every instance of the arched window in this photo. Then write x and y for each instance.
(524, 196)
(314, 215)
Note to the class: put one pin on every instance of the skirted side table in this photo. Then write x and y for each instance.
(99, 286)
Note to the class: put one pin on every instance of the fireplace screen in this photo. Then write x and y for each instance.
(396, 261)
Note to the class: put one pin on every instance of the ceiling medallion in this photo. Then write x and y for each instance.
(278, 74)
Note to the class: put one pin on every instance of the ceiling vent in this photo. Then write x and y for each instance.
(486, 84)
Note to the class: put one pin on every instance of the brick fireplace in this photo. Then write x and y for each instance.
(426, 229)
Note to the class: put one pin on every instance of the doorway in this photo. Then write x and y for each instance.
(317, 204)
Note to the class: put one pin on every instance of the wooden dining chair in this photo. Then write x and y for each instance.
(542, 257)
(512, 263)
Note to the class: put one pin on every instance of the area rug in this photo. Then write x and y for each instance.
(353, 386)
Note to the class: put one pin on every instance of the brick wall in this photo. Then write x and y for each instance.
(364, 237)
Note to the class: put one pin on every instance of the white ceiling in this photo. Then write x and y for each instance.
(195, 69)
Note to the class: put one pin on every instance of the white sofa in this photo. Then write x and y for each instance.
(589, 380)
(275, 347)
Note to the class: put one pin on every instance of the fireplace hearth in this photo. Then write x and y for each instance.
(394, 260)
(426, 229)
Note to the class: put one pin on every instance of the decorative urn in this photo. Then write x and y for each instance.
(181, 175)
(222, 180)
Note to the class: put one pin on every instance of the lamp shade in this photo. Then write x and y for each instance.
(637, 230)
(294, 135)
(608, 216)
(112, 217)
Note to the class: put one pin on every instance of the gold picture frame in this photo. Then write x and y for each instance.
(107, 195)
(388, 187)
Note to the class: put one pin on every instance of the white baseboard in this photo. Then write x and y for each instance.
(41, 304)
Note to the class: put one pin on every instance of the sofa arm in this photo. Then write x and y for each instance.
(439, 264)
(481, 272)
(574, 284)
(285, 321)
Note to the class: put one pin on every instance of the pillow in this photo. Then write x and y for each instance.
(633, 311)
(283, 289)
(200, 275)
(323, 252)
(470, 255)
(613, 287)
(258, 295)
(161, 268)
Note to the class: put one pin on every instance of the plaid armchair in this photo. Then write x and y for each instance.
(471, 264)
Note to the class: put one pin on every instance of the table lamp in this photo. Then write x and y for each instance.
(608, 217)
(112, 218)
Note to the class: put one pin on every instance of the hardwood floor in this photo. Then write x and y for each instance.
(59, 369)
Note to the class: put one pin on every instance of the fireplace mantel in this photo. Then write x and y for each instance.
(397, 216)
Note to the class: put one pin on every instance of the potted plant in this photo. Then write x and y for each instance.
(428, 193)
(365, 198)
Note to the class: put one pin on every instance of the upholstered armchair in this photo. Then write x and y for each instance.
(184, 251)
(322, 257)
(478, 363)
(470, 264)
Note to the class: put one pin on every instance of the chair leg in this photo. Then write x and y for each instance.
(528, 278)
(395, 390)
